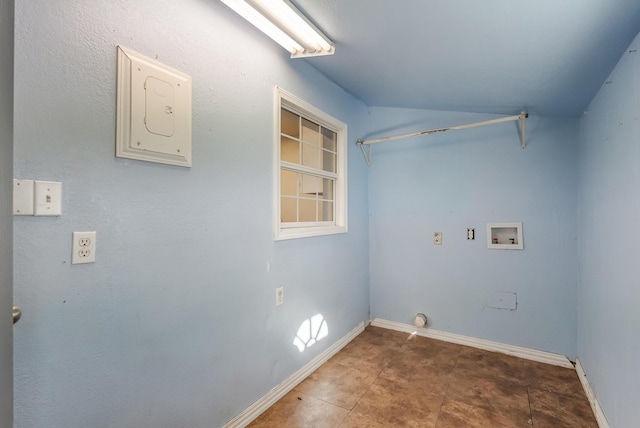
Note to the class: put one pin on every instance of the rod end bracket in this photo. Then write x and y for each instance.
(523, 138)
(366, 153)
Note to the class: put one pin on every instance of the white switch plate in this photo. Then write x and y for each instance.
(47, 198)
(83, 248)
(22, 197)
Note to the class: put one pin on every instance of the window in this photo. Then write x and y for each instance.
(310, 179)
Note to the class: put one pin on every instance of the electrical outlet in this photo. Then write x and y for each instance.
(84, 248)
(437, 238)
(471, 234)
(279, 296)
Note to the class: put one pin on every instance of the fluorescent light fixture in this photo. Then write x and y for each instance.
(285, 24)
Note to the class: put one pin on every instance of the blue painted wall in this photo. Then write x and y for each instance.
(452, 181)
(176, 323)
(609, 288)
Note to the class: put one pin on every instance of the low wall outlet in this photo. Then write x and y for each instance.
(437, 238)
(84, 248)
(279, 296)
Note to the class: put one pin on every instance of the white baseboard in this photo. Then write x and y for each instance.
(595, 406)
(256, 409)
(516, 351)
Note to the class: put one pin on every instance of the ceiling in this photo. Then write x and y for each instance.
(547, 57)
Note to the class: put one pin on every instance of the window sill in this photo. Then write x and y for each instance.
(307, 232)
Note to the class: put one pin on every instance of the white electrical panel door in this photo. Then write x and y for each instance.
(154, 111)
(159, 102)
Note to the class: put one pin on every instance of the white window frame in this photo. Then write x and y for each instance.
(283, 230)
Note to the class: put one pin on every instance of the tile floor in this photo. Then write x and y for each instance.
(385, 378)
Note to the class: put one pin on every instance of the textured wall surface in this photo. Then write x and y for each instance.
(609, 276)
(175, 324)
(6, 216)
(452, 181)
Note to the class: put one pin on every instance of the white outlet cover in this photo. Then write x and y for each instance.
(83, 248)
(22, 197)
(437, 238)
(279, 296)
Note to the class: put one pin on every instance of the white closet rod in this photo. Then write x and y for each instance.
(521, 117)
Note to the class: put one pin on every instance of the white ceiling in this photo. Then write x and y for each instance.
(548, 57)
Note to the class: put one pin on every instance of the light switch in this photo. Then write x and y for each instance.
(22, 197)
(47, 198)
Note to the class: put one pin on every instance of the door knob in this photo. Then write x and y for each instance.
(17, 313)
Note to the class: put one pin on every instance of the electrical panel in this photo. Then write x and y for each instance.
(153, 111)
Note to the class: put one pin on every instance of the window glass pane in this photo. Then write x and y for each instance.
(328, 161)
(289, 123)
(310, 198)
(325, 211)
(328, 139)
(311, 185)
(311, 156)
(288, 183)
(327, 189)
(288, 210)
(307, 209)
(289, 150)
(310, 132)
